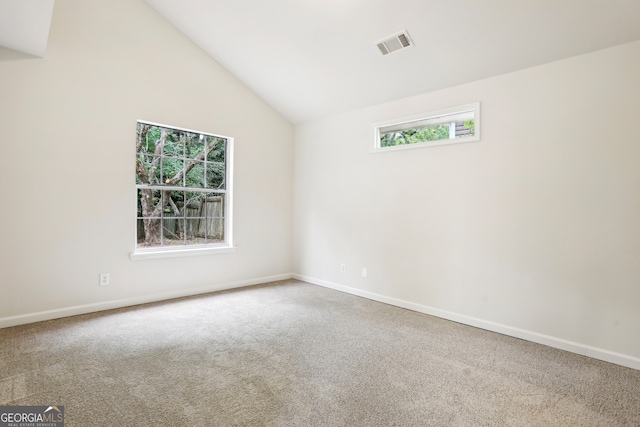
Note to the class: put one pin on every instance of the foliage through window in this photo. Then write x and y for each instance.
(459, 124)
(183, 188)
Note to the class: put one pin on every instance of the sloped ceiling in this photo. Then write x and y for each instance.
(24, 25)
(312, 58)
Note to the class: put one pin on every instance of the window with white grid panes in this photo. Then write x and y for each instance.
(183, 188)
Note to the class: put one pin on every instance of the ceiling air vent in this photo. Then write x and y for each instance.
(395, 42)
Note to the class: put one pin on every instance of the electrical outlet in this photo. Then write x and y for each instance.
(343, 268)
(364, 271)
(104, 279)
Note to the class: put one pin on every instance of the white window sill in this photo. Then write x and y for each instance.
(178, 253)
(425, 144)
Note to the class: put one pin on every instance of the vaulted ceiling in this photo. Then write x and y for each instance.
(312, 58)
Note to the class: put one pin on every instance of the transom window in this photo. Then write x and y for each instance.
(183, 188)
(450, 126)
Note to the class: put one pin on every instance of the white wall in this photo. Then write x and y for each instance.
(534, 229)
(67, 135)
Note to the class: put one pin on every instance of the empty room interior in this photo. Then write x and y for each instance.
(407, 212)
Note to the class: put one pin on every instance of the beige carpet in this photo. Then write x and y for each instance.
(294, 354)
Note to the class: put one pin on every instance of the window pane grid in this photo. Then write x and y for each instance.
(180, 181)
(200, 222)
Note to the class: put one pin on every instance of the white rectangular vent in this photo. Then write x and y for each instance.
(395, 42)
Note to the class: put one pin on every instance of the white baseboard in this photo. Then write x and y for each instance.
(6, 322)
(559, 343)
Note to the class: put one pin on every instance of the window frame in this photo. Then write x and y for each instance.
(423, 117)
(158, 252)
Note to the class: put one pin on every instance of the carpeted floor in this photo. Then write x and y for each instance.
(295, 354)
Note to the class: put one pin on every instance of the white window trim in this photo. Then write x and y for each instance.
(432, 115)
(163, 253)
(142, 254)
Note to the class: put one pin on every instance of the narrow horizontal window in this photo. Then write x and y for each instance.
(450, 126)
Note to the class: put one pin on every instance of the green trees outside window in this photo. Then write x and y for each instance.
(181, 179)
(427, 133)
